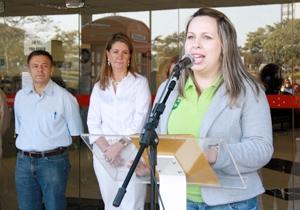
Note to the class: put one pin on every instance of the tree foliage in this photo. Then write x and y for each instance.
(255, 40)
(11, 50)
(274, 44)
(69, 40)
(12, 33)
(166, 48)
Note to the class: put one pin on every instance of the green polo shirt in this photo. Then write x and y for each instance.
(186, 117)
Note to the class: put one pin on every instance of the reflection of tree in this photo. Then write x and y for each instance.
(11, 46)
(12, 39)
(255, 40)
(166, 48)
(253, 47)
(71, 49)
(273, 44)
(12, 34)
(277, 39)
(69, 40)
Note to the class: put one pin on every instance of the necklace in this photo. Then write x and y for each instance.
(116, 82)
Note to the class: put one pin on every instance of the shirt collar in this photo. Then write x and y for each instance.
(47, 90)
(190, 83)
(217, 81)
(129, 74)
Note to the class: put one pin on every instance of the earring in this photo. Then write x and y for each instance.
(128, 63)
(108, 61)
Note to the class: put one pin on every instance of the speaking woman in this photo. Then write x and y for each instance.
(218, 98)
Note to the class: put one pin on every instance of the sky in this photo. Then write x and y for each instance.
(245, 19)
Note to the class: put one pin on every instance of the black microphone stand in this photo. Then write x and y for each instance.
(148, 138)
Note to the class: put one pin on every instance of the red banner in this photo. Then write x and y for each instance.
(275, 101)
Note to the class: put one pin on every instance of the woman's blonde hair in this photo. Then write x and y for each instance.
(233, 71)
(106, 70)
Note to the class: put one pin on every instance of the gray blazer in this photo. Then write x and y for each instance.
(247, 130)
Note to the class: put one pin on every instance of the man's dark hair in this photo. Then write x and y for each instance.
(40, 52)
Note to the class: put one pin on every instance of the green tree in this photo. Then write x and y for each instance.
(255, 40)
(281, 46)
(11, 48)
(70, 46)
(12, 33)
(252, 51)
(70, 42)
(276, 39)
(289, 49)
(166, 48)
(278, 44)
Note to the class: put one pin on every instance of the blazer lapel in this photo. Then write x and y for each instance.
(217, 105)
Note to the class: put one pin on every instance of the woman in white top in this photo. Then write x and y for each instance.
(119, 105)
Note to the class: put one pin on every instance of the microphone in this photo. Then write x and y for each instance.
(187, 61)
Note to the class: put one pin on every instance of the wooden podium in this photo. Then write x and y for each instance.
(180, 161)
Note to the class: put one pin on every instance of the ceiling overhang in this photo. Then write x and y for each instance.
(50, 7)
